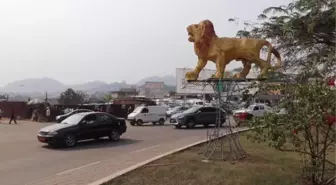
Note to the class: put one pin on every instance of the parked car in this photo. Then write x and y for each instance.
(173, 118)
(199, 115)
(146, 114)
(254, 110)
(195, 102)
(82, 126)
(62, 117)
(175, 110)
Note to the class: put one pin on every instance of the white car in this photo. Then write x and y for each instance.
(257, 110)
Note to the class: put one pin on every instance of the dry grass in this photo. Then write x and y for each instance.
(263, 166)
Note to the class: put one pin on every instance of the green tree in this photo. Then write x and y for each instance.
(4, 96)
(108, 98)
(71, 97)
(306, 128)
(304, 33)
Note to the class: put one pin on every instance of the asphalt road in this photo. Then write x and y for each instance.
(23, 160)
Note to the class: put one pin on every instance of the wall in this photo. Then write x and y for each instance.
(20, 108)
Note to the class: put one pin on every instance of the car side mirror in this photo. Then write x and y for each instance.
(83, 122)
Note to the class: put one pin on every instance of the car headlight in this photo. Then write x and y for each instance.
(180, 117)
(52, 133)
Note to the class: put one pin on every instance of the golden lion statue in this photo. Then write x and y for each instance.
(209, 47)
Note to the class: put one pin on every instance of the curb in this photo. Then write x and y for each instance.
(131, 168)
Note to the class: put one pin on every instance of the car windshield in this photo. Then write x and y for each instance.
(138, 109)
(175, 108)
(73, 120)
(191, 110)
(250, 107)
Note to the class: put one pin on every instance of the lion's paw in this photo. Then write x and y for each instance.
(237, 75)
(191, 75)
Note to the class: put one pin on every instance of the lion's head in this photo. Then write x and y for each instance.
(201, 34)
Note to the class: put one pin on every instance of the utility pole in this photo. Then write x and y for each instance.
(46, 96)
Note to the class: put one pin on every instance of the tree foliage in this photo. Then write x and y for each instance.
(304, 33)
(306, 128)
(71, 97)
(108, 97)
(4, 96)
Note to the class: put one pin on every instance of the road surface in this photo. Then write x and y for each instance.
(25, 161)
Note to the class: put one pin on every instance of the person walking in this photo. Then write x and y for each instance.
(12, 117)
(1, 114)
(48, 114)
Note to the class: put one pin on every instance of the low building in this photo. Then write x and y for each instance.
(154, 90)
(124, 92)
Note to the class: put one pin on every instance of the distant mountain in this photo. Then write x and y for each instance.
(36, 87)
(33, 85)
(168, 80)
(89, 86)
(100, 86)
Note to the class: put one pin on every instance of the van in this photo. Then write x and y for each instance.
(147, 114)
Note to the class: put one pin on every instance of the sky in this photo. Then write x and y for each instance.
(76, 41)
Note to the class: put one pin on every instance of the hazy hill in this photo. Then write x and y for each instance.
(33, 85)
(90, 85)
(38, 86)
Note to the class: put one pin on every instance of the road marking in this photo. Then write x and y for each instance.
(73, 169)
(143, 149)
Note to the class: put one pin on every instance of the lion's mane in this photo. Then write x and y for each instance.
(206, 33)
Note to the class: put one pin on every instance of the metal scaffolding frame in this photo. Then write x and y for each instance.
(214, 142)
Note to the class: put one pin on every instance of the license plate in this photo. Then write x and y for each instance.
(41, 139)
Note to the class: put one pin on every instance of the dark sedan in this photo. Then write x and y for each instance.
(199, 116)
(83, 126)
(62, 117)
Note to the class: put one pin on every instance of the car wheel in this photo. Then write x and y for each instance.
(191, 124)
(114, 135)
(161, 121)
(177, 126)
(206, 125)
(70, 140)
(154, 123)
(139, 122)
(132, 123)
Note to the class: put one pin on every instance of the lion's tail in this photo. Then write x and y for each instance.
(271, 51)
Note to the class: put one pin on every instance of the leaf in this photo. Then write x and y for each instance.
(275, 10)
(262, 17)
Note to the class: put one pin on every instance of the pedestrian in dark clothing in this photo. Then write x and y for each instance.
(12, 117)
